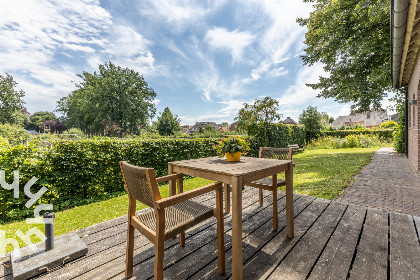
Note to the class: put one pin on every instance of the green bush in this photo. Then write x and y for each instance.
(276, 135)
(350, 141)
(383, 134)
(77, 172)
(15, 134)
(389, 124)
(74, 131)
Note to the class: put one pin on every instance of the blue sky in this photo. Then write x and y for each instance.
(204, 59)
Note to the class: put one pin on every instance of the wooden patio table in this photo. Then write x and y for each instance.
(237, 174)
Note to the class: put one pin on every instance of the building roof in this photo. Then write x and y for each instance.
(289, 120)
(405, 34)
(367, 119)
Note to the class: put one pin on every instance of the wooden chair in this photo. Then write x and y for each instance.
(166, 217)
(268, 182)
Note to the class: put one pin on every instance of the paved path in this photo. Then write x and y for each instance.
(387, 182)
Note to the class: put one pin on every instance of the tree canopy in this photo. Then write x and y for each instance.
(311, 119)
(37, 118)
(114, 95)
(352, 39)
(262, 112)
(167, 124)
(11, 102)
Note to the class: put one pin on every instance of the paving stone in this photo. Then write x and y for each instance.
(387, 182)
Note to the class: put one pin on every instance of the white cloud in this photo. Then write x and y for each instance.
(34, 32)
(179, 14)
(233, 41)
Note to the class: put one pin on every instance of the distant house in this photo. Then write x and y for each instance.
(223, 129)
(368, 119)
(233, 126)
(289, 120)
(202, 125)
(186, 129)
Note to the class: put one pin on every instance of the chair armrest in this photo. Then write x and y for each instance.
(168, 177)
(169, 201)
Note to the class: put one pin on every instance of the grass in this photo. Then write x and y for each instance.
(323, 173)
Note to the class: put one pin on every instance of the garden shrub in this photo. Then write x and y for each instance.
(276, 135)
(350, 141)
(383, 134)
(15, 134)
(77, 172)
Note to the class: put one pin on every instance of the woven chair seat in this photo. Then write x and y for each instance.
(178, 217)
(268, 181)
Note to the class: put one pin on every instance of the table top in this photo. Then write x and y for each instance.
(246, 166)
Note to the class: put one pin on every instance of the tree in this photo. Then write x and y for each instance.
(262, 112)
(11, 103)
(352, 39)
(168, 124)
(113, 95)
(52, 126)
(311, 119)
(37, 118)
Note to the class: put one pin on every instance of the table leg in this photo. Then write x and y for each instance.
(180, 187)
(227, 198)
(275, 215)
(237, 265)
(290, 224)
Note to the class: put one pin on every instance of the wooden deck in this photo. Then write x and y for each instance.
(332, 241)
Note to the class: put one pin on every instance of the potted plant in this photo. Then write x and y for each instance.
(232, 147)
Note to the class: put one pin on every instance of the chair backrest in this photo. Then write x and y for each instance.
(140, 183)
(276, 153)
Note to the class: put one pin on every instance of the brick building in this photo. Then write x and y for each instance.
(405, 64)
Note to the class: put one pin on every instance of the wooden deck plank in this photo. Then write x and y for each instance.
(265, 252)
(337, 256)
(144, 270)
(203, 257)
(280, 245)
(298, 263)
(404, 246)
(372, 253)
(109, 261)
(253, 242)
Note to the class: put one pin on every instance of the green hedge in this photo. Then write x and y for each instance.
(77, 172)
(383, 134)
(80, 171)
(276, 135)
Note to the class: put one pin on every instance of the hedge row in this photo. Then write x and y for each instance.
(276, 135)
(384, 134)
(79, 171)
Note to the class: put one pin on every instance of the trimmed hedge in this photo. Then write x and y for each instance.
(77, 172)
(383, 134)
(276, 135)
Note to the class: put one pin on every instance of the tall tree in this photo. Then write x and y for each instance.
(38, 118)
(311, 119)
(167, 123)
(11, 103)
(114, 94)
(262, 112)
(352, 39)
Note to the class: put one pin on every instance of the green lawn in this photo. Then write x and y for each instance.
(325, 173)
(321, 173)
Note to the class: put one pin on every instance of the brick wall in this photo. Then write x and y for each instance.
(414, 118)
